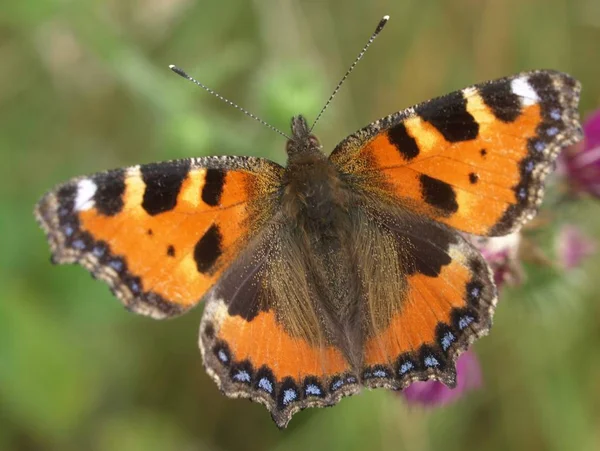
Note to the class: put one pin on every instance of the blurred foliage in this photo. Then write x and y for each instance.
(84, 86)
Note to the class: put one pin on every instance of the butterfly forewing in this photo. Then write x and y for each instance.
(160, 234)
(475, 159)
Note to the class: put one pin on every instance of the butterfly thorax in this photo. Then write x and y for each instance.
(313, 194)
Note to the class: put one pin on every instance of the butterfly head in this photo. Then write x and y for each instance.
(302, 142)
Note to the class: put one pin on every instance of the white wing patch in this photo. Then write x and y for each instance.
(85, 195)
(521, 87)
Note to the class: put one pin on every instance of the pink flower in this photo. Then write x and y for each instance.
(434, 393)
(501, 253)
(580, 163)
(573, 246)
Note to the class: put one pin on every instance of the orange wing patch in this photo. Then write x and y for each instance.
(456, 182)
(475, 159)
(160, 234)
(429, 301)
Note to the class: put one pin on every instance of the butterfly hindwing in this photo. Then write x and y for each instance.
(256, 345)
(446, 301)
(475, 159)
(160, 234)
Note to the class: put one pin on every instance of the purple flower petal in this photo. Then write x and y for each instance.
(573, 246)
(591, 130)
(580, 163)
(434, 393)
(501, 253)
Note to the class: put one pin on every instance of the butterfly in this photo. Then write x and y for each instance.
(334, 272)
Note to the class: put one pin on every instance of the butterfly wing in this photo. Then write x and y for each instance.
(263, 335)
(475, 159)
(443, 299)
(160, 234)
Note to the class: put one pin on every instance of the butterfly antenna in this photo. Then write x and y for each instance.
(182, 73)
(380, 26)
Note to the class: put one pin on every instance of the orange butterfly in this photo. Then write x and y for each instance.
(331, 273)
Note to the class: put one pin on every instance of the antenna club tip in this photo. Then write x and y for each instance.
(381, 24)
(177, 70)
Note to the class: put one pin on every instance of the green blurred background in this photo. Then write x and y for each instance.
(84, 86)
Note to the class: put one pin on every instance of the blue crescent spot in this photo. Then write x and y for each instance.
(134, 287)
(265, 384)
(242, 376)
(539, 146)
(406, 367)
(380, 373)
(79, 244)
(98, 251)
(289, 395)
(529, 166)
(431, 361)
(313, 390)
(465, 321)
(222, 356)
(117, 265)
(447, 340)
(337, 384)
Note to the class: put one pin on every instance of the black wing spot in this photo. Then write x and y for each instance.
(499, 98)
(427, 255)
(208, 249)
(449, 115)
(473, 178)
(439, 194)
(483, 152)
(110, 187)
(209, 330)
(163, 183)
(171, 250)
(403, 142)
(212, 190)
